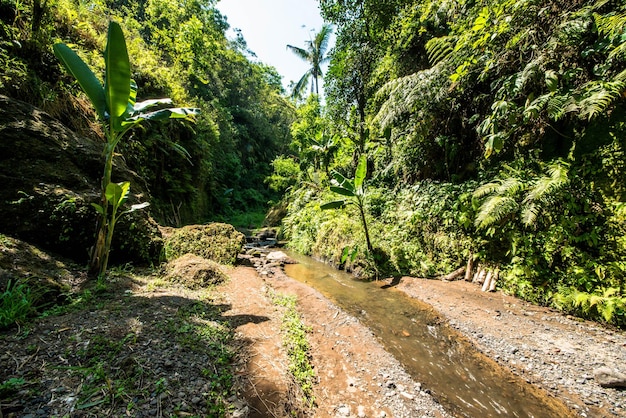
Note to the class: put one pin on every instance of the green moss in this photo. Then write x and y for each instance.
(217, 242)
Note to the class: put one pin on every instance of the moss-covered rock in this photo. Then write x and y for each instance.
(47, 278)
(217, 241)
(50, 176)
(194, 272)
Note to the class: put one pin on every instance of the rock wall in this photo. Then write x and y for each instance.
(49, 177)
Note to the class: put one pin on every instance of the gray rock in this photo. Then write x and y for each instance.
(608, 378)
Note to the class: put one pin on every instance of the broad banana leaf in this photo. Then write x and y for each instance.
(333, 205)
(117, 75)
(342, 181)
(85, 77)
(342, 191)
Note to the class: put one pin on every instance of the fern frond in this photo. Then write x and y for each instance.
(511, 186)
(530, 70)
(486, 189)
(439, 49)
(612, 25)
(595, 300)
(608, 309)
(581, 300)
(600, 96)
(618, 52)
(542, 189)
(559, 105)
(405, 94)
(535, 107)
(547, 185)
(530, 212)
(493, 210)
(611, 291)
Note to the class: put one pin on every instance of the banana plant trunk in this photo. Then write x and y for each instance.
(100, 253)
(367, 234)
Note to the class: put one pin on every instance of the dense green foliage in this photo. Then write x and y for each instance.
(215, 168)
(116, 104)
(493, 129)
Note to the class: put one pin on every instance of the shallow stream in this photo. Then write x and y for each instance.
(463, 380)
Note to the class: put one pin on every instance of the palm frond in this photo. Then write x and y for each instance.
(322, 39)
(300, 52)
(300, 86)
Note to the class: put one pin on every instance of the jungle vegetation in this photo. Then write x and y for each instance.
(489, 129)
(493, 130)
(212, 169)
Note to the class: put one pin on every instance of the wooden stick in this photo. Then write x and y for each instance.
(494, 281)
(452, 276)
(477, 274)
(481, 276)
(487, 282)
(470, 267)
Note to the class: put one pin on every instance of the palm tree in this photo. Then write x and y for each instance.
(314, 54)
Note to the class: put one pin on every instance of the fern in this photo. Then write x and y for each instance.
(560, 104)
(535, 107)
(439, 49)
(486, 189)
(495, 209)
(542, 190)
(600, 95)
(406, 94)
(613, 26)
(608, 304)
(528, 73)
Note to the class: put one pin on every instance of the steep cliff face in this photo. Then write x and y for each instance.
(49, 177)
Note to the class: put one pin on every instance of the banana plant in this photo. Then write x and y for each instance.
(354, 191)
(118, 111)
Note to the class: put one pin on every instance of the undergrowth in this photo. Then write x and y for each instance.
(297, 345)
(16, 305)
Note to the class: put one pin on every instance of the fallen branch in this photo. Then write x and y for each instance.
(454, 275)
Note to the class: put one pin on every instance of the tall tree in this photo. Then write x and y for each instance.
(315, 55)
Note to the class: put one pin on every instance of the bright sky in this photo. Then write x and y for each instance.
(269, 25)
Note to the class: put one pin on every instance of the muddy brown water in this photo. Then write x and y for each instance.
(463, 380)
